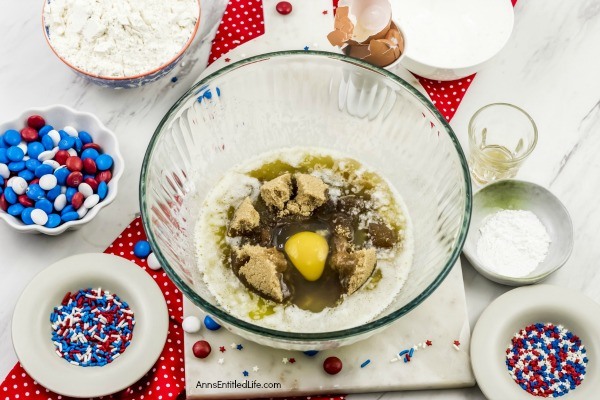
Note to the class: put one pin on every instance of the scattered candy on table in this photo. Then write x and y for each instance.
(211, 324)
(311, 353)
(48, 176)
(91, 327)
(201, 349)
(284, 7)
(191, 324)
(332, 365)
(142, 249)
(153, 263)
(546, 360)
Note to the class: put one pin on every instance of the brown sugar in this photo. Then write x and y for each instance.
(312, 193)
(263, 270)
(277, 192)
(354, 266)
(245, 219)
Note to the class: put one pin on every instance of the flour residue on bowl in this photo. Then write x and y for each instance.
(213, 246)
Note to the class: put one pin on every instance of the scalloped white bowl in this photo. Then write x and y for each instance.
(60, 115)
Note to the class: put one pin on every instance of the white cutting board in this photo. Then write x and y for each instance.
(442, 318)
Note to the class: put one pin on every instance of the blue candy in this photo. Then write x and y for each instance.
(211, 324)
(67, 210)
(43, 169)
(15, 210)
(26, 216)
(70, 216)
(16, 166)
(35, 192)
(78, 145)
(311, 353)
(34, 149)
(1, 190)
(44, 205)
(61, 174)
(12, 137)
(53, 221)
(66, 143)
(15, 153)
(32, 164)
(26, 174)
(10, 196)
(63, 134)
(85, 137)
(104, 162)
(102, 190)
(1, 181)
(3, 157)
(142, 249)
(53, 193)
(70, 193)
(89, 153)
(47, 142)
(45, 129)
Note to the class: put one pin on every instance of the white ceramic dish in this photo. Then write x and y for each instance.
(522, 307)
(513, 194)
(59, 116)
(31, 331)
(452, 39)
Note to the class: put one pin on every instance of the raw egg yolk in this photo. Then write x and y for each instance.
(308, 252)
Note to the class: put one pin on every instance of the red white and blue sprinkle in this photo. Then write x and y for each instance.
(91, 327)
(546, 360)
(365, 363)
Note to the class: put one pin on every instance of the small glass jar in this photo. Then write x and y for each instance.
(501, 136)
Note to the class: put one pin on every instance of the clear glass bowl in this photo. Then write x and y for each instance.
(315, 99)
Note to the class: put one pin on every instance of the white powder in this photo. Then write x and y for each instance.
(512, 243)
(120, 38)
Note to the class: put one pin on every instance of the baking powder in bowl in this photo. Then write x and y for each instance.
(119, 38)
(512, 243)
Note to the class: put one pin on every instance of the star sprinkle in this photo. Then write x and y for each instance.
(233, 345)
(292, 360)
(456, 345)
(227, 59)
(245, 373)
(428, 343)
(222, 349)
(284, 360)
(221, 361)
(239, 347)
(325, 12)
(306, 48)
(255, 368)
(395, 359)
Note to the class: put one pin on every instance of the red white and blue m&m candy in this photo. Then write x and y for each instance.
(49, 176)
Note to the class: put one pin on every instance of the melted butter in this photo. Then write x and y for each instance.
(263, 309)
(372, 284)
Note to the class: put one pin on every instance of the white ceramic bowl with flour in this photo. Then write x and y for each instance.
(520, 233)
(120, 44)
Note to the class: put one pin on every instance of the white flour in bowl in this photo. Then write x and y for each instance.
(119, 38)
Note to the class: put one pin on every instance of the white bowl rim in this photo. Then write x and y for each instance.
(112, 194)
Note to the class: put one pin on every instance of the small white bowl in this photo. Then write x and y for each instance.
(60, 116)
(452, 39)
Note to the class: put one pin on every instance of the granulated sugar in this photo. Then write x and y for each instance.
(119, 38)
(512, 243)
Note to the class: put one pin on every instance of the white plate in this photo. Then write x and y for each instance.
(519, 308)
(451, 39)
(31, 331)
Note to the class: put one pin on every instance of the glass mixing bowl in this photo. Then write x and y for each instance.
(313, 99)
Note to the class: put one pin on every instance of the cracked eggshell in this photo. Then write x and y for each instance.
(384, 52)
(360, 21)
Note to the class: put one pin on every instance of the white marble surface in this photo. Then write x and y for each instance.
(548, 67)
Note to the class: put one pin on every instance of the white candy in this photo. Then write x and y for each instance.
(23, 146)
(47, 155)
(18, 184)
(55, 136)
(71, 131)
(85, 189)
(153, 262)
(52, 163)
(91, 201)
(4, 171)
(39, 217)
(191, 324)
(72, 152)
(63, 189)
(48, 182)
(82, 211)
(26, 157)
(10, 181)
(60, 202)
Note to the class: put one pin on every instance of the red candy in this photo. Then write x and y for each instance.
(104, 176)
(3, 203)
(25, 201)
(201, 349)
(36, 122)
(77, 200)
(92, 146)
(89, 166)
(61, 157)
(34, 181)
(29, 134)
(74, 179)
(284, 7)
(92, 182)
(74, 163)
(332, 365)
